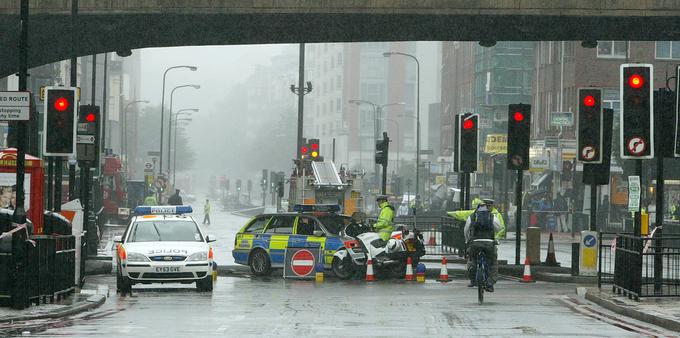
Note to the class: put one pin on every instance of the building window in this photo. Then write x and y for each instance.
(668, 50)
(338, 105)
(339, 59)
(330, 105)
(338, 82)
(612, 49)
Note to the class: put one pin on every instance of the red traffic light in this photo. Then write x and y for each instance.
(518, 116)
(90, 117)
(61, 104)
(315, 146)
(304, 150)
(589, 101)
(468, 124)
(636, 81)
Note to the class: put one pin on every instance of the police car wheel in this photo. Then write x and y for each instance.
(342, 268)
(260, 264)
(205, 283)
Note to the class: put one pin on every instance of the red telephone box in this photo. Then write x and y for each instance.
(33, 185)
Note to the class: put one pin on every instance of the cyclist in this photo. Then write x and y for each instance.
(481, 229)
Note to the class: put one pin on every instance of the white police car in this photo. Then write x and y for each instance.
(163, 245)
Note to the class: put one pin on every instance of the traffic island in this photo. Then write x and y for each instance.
(663, 312)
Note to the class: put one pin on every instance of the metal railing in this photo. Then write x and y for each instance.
(36, 268)
(647, 267)
(605, 267)
(441, 235)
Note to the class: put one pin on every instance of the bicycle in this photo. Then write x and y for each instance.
(481, 276)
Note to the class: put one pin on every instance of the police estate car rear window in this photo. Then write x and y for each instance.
(165, 231)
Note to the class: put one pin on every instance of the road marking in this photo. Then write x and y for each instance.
(222, 329)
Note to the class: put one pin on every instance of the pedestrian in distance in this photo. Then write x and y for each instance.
(175, 199)
(206, 212)
(560, 207)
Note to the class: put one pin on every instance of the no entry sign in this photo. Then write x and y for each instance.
(300, 262)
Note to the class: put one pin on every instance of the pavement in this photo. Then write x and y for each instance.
(663, 312)
(85, 299)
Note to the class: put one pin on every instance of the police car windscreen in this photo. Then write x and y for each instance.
(164, 231)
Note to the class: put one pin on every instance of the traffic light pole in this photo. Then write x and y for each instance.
(593, 208)
(58, 164)
(467, 191)
(384, 166)
(50, 175)
(518, 215)
(637, 228)
(19, 211)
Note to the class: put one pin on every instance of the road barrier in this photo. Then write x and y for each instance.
(441, 235)
(646, 267)
(35, 268)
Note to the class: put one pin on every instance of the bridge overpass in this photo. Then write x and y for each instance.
(113, 25)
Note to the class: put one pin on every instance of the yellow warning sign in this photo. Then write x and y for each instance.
(496, 144)
(440, 179)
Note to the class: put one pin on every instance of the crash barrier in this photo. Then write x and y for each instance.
(35, 268)
(646, 267)
(441, 235)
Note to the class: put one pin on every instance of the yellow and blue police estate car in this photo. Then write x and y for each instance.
(162, 244)
(262, 242)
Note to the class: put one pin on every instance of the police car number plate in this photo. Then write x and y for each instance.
(167, 269)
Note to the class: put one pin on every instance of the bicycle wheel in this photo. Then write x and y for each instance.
(481, 278)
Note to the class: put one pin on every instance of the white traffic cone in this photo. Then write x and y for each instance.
(370, 277)
(444, 274)
(527, 272)
(409, 269)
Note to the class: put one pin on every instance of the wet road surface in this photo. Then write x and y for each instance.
(267, 307)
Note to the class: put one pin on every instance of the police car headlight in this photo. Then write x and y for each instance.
(198, 256)
(136, 257)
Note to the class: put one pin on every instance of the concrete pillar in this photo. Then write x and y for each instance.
(533, 245)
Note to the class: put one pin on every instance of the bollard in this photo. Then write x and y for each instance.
(534, 245)
(575, 249)
(318, 276)
(420, 273)
(214, 271)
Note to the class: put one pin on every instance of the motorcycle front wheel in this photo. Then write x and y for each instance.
(342, 268)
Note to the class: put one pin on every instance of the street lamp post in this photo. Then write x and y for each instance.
(396, 124)
(193, 69)
(388, 54)
(173, 156)
(123, 131)
(174, 161)
(377, 115)
(172, 95)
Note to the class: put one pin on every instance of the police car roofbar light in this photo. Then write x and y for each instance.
(163, 210)
(316, 208)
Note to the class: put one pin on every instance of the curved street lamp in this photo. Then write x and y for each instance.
(172, 95)
(193, 69)
(174, 161)
(124, 132)
(412, 57)
(181, 112)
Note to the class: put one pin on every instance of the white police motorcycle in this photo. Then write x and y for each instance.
(389, 257)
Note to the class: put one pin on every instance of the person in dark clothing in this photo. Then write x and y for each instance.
(561, 207)
(175, 199)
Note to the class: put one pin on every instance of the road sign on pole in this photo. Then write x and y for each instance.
(634, 190)
(15, 106)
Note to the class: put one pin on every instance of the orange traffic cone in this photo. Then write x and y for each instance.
(433, 240)
(527, 272)
(551, 260)
(409, 269)
(444, 274)
(370, 277)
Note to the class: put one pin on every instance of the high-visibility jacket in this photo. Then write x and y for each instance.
(463, 215)
(384, 225)
(150, 200)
